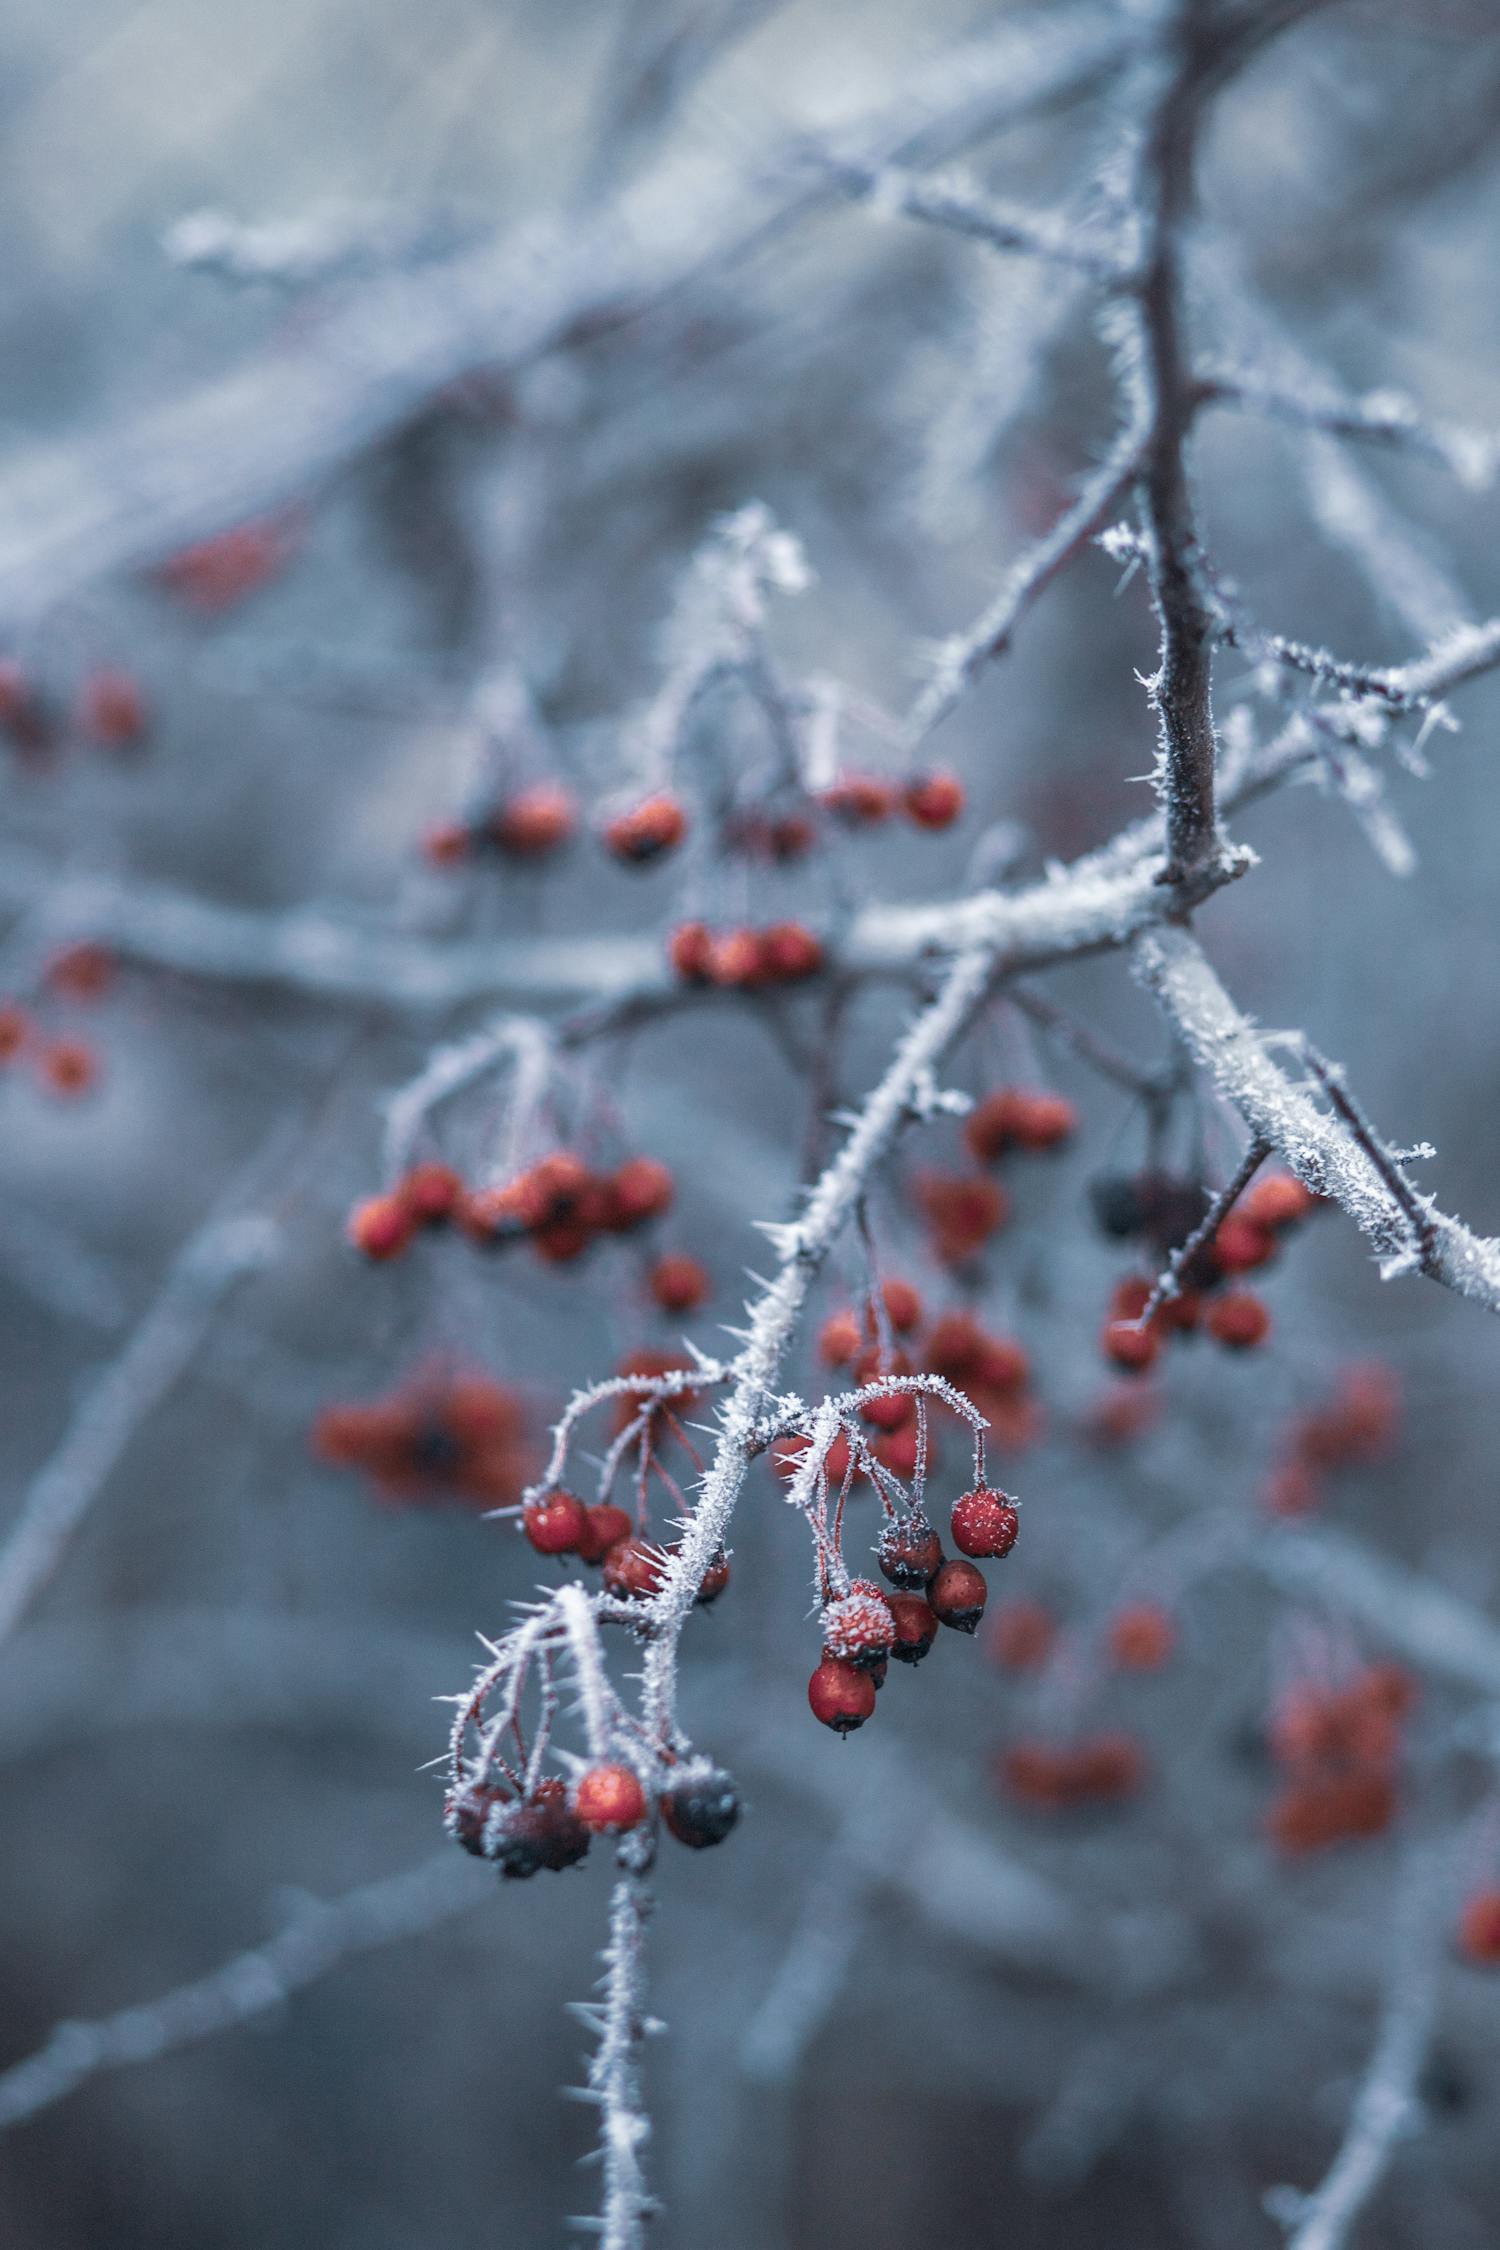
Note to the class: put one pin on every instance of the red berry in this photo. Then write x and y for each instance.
(1142, 1637)
(656, 825)
(1021, 1636)
(216, 573)
(701, 1806)
(714, 1580)
(467, 1812)
(447, 844)
(1238, 1320)
(891, 1410)
(958, 1594)
(857, 1628)
(689, 951)
(789, 951)
(15, 1030)
(989, 1128)
(1043, 1121)
(381, 1227)
(985, 1523)
(68, 1067)
(1278, 1200)
(839, 1339)
(955, 1346)
(916, 1626)
(535, 821)
(609, 1798)
(1131, 1348)
(1239, 1245)
(735, 959)
(431, 1193)
(641, 1189)
(678, 1283)
(606, 1526)
(903, 1306)
(83, 971)
(1479, 1929)
(1000, 1364)
(556, 1525)
(933, 800)
(841, 1695)
(910, 1552)
(112, 709)
(1292, 1489)
(634, 1570)
(962, 1212)
(860, 799)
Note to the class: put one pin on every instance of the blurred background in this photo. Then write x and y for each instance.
(884, 2028)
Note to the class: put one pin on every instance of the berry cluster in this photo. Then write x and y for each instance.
(65, 1065)
(1166, 1212)
(530, 824)
(932, 800)
(218, 573)
(559, 1204)
(523, 1829)
(1338, 1748)
(745, 959)
(110, 712)
(1062, 1776)
(438, 1438)
(864, 1627)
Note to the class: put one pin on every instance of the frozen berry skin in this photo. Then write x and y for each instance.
(857, 1628)
(544, 1832)
(605, 1526)
(957, 1596)
(634, 1569)
(985, 1523)
(916, 1626)
(467, 1813)
(841, 1695)
(701, 1806)
(609, 1799)
(556, 1525)
(910, 1553)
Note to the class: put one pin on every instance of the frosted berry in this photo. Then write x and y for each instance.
(609, 1798)
(957, 1595)
(910, 1553)
(1238, 1320)
(381, 1227)
(544, 1831)
(556, 1525)
(857, 1628)
(634, 1569)
(605, 1526)
(840, 1695)
(985, 1523)
(467, 1812)
(678, 1283)
(656, 825)
(916, 1627)
(933, 800)
(701, 1806)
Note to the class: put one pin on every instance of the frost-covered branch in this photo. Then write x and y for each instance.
(1320, 1148)
(614, 2081)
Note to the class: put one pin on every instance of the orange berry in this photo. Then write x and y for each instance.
(380, 1227)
